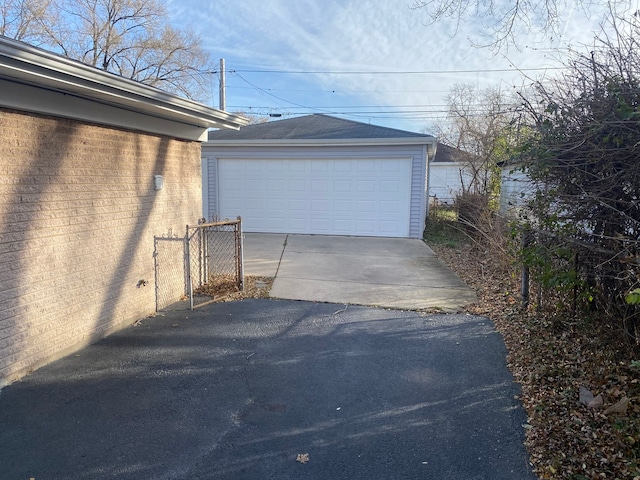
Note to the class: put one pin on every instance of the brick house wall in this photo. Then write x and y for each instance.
(78, 212)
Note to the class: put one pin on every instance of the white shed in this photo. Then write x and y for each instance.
(515, 189)
(319, 174)
(446, 174)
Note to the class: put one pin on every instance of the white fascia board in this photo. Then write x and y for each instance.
(323, 142)
(22, 63)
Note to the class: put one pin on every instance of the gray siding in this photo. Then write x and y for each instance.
(417, 153)
(211, 187)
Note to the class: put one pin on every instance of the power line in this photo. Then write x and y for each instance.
(421, 112)
(377, 114)
(475, 106)
(297, 90)
(417, 72)
(266, 93)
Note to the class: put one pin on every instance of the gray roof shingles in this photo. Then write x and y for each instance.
(445, 153)
(312, 127)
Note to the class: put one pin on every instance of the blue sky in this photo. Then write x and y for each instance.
(294, 57)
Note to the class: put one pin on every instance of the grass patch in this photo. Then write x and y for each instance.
(444, 229)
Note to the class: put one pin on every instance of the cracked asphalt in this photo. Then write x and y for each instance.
(237, 390)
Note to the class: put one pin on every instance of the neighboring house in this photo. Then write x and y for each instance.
(80, 149)
(446, 174)
(319, 174)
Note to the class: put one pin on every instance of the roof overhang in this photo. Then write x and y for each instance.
(35, 80)
(429, 141)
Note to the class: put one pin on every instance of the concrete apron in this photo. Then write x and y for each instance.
(385, 272)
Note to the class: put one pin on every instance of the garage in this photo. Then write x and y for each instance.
(318, 175)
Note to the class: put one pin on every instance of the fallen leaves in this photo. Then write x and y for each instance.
(302, 458)
(254, 287)
(572, 433)
(619, 407)
(587, 398)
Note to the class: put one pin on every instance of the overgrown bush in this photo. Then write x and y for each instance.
(583, 161)
(471, 207)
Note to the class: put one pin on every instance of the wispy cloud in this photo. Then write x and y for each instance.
(350, 35)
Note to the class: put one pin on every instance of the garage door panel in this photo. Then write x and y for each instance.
(365, 227)
(296, 205)
(276, 185)
(277, 205)
(253, 204)
(366, 186)
(277, 223)
(320, 226)
(366, 206)
(365, 166)
(257, 222)
(276, 166)
(342, 206)
(298, 185)
(389, 166)
(298, 167)
(250, 185)
(392, 186)
(319, 185)
(391, 207)
(342, 186)
(320, 206)
(323, 196)
(387, 226)
(345, 166)
(252, 166)
(318, 166)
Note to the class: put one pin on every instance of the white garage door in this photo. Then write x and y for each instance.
(368, 197)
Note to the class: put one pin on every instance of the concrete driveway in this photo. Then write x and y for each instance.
(238, 390)
(385, 272)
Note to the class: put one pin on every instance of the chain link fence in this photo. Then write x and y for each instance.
(170, 273)
(205, 263)
(214, 251)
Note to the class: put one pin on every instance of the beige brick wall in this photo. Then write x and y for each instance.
(78, 213)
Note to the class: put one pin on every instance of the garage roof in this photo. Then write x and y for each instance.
(317, 128)
(445, 154)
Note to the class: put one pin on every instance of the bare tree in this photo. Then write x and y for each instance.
(481, 126)
(23, 19)
(132, 38)
(501, 20)
(254, 119)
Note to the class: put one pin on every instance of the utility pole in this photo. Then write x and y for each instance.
(223, 88)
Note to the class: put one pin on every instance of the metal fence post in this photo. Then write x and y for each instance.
(155, 272)
(240, 258)
(187, 267)
(524, 288)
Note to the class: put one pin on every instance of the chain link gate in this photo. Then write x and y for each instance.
(170, 273)
(214, 252)
(212, 263)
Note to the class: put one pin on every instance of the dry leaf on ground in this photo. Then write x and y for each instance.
(551, 358)
(302, 458)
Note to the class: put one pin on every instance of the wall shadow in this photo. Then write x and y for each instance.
(41, 272)
(18, 222)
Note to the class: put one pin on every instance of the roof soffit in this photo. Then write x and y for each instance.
(25, 64)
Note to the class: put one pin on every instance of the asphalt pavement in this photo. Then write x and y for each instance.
(273, 389)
